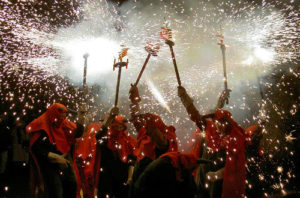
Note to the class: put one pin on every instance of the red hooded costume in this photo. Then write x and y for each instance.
(146, 147)
(60, 132)
(181, 160)
(121, 142)
(88, 160)
(233, 141)
(117, 149)
(251, 132)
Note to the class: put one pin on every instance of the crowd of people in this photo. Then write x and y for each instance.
(101, 159)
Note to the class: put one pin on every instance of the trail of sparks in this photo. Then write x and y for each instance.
(158, 95)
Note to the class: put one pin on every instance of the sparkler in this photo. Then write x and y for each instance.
(158, 95)
(120, 65)
(223, 48)
(85, 56)
(152, 50)
(166, 34)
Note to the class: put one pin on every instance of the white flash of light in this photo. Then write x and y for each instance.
(101, 53)
(263, 54)
(249, 61)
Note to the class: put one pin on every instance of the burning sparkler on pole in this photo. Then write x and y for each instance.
(166, 34)
(119, 65)
(152, 50)
(84, 88)
(223, 49)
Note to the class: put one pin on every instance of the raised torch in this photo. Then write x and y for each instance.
(223, 48)
(85, 56)
(166, 34)
(152, 50)
(119, 65)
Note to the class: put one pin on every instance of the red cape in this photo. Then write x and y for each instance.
(122, 142)
(146, 147)
(251, 131)
(195, 143)
(233, 141)
(88, 160)
(59, 131)
(178, 160)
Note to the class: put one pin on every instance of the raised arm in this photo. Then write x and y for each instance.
(112, 112)
(190, 107)
(134, 107)
(223, 97)
(80, 121)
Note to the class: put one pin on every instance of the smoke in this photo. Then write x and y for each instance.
(257, 37)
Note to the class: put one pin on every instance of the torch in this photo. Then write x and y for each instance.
(166, 34)
(85, 56)
(152, 50)
(119, 65)
(223, 48)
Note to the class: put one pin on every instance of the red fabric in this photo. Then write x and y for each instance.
(194, 146)
(179, 160)
(251, 130)
(60, 131)
(121, 141)
(260, 151)
(146, 147)
(119, 120)
(85, 154)
(97, 166)
(233, 141)
(195, 143)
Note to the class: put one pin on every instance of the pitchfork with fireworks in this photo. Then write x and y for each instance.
(119, 65)
(223, 49)
(166, 34)
(84, 88)
(152, 50)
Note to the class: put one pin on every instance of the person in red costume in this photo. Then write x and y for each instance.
(154, 136)
(208, 177)
(255, 160)
(255, 132)
(117, 156)
(170, 175)
(225, 144)
(88, 161)
(52, 137)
